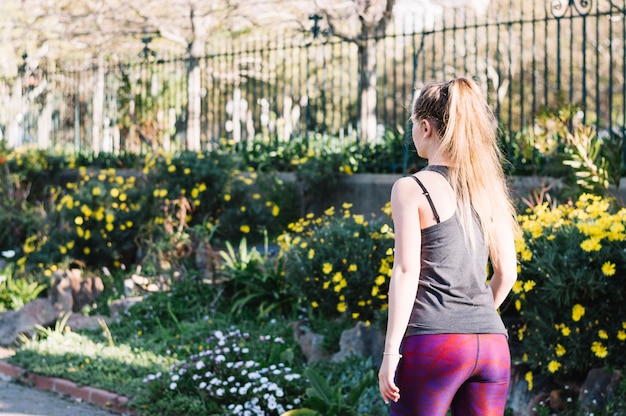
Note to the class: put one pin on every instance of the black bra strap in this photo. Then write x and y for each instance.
(427, 195)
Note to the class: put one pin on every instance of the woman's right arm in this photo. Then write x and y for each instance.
(505, 267)
(404, 280)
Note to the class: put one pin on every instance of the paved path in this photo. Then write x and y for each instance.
(20, 400)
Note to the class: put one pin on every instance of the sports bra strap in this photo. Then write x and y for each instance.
(427, 195)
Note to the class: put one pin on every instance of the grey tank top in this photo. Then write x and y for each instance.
(453, 296)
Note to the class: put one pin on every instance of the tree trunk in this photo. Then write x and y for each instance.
(194, 98)
(98, 107)
(367, 89)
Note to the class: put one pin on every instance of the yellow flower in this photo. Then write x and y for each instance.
(275, 210)
(565, 331)
(346, 205)
(554, 366)
(95, 191)
(517, 286)
(599, 350)
(311, 254)
(341, 307)
(171, 168)
(621, 335)
(529, 379)
(244, 229)
(578, 311)
(187, 171)
(560, 350)
(358, 219)
(352, 268)
(256, 196)
(86, 250)
(78, 220)
(602, 334)
(337, 277)
(529, 285)
(379, 280)
(227, 197)
(114, 192)
(608, 268)
(327, 268)
(591, 244)
(330, 211)
(315, 304)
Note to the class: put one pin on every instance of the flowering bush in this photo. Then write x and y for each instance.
(227, 378)
(254, 203)
(94, 220)
(570, 293)
(340, 265)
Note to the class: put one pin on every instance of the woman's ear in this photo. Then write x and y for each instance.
(426, 126)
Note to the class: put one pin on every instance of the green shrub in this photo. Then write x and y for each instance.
(95, 220)
(570, 292)
(339, 266)
(253, 204)
(254, 282)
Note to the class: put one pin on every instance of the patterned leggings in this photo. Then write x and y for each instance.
(466, 373)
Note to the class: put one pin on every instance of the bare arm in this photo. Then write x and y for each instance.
(404, 280)
(505, 268)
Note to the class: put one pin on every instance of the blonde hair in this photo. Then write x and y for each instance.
(467, 129)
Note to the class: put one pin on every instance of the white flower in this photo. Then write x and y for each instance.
(8, 254)
(220, 358)
(172, 386)
(220, 392)
(202, 385)
(200, 365)
(175, 377)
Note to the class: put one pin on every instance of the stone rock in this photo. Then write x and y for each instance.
(597, 389)
(77, 322)
(118, 307)
(71, 292)
(311, 344)
(13, 323)
(364, 340)
(521, 400)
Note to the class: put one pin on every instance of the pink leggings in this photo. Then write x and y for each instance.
(466, 373)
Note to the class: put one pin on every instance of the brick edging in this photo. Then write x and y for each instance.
(105, 399)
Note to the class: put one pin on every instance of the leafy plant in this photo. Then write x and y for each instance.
(255, 281)
(15, 293)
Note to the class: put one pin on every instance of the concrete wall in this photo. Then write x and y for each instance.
(368, 193)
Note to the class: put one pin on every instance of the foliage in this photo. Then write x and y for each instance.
(94, 220)
(570, 294)
(341, 388)
(15, 293)
(254, 204)
(255, 281)
(596, 159)
(199, 178)
(349, 282)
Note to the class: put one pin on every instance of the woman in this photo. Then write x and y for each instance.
(446, 346)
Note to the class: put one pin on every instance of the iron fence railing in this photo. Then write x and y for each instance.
(528, 55)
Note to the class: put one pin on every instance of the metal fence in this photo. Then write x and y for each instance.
(528, 55)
